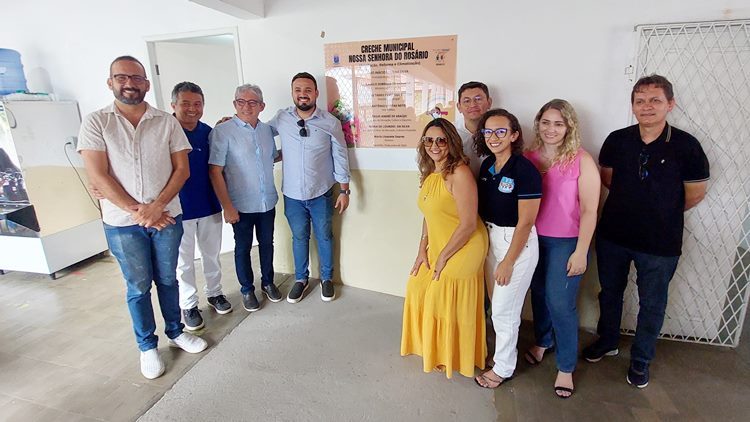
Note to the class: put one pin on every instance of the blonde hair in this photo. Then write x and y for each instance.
(455, 155)
(571, 142)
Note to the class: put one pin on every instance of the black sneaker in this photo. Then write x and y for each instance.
(326, 291)
(193, 319)
(297, 292)
(220, 304)
(272, 293)
(638, 374)
(596, 351)
(250, 302)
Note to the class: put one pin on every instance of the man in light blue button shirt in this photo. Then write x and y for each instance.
(315, 159)
(241, 169)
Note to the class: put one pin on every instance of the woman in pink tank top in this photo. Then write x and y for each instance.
(565, 225)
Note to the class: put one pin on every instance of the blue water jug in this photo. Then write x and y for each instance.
(12, 78)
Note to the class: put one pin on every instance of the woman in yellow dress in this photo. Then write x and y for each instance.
(444, 305)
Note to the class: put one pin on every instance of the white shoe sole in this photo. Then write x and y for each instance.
(627, 378)
(252, 310)
(269, 297)
(302, 296)
(155, 376)
(327, 299)
(610, 353)
(219, 311)
(189, 328)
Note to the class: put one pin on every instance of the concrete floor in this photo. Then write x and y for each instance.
(336, 361)
(67, 353)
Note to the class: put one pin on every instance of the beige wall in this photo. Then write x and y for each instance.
(376, 239)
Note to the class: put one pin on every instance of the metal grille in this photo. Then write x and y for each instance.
(709, 65)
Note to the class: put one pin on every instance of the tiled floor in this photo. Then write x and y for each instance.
(67, 353)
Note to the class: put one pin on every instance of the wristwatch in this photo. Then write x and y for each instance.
(345, 191)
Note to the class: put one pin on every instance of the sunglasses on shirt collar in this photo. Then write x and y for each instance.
(303, 129)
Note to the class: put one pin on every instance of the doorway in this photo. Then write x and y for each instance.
(209, 58)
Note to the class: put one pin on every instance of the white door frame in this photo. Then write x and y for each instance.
(153, 39)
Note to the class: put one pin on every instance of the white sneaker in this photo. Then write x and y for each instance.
(151, 364)
(189, 343)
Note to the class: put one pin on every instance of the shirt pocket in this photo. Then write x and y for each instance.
(318, 140)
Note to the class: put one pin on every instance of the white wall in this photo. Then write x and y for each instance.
(528, 52)
(66, 46)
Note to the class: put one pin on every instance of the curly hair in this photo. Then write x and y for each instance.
(480, 146)
(455, 155)
(572, 140)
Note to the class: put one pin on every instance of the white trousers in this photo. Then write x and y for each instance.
(507, 301)
(208, 232)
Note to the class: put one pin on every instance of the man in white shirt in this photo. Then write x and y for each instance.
(473, 101)
(136, 158)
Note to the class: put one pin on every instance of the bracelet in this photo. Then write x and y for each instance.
(345, 191)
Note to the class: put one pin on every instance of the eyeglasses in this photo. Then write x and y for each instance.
(242, 103)
(499, 132)
(642, 162)
(469, 100)
(303, 129)
(440, 141)
(122, 78)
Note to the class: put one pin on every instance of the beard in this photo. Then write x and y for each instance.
(121, 97)
(304, 107)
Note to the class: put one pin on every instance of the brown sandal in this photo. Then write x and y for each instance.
(489, 382)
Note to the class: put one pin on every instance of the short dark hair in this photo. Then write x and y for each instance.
(186, 87)
(305, 75)
(655, 80)
(473, 84)
(480, 146)
(127, 59)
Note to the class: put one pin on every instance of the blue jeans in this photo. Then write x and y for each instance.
(653, 276)
(243, 242)
(147, 255)
(319, 211)
(553, 300)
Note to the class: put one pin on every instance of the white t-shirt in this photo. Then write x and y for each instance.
(468, 142)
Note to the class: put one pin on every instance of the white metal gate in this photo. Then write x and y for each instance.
(709, 65)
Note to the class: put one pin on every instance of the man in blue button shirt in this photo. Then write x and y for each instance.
(201, 212)
(241, 166)
(315, 159)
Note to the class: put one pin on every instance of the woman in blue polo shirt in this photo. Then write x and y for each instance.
(510, 190)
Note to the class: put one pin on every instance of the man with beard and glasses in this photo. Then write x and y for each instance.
(315, 159)
(136, 158)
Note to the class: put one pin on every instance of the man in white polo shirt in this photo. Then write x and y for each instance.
(473, 101)
(136, 158)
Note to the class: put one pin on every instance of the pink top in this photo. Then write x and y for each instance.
(560, 211)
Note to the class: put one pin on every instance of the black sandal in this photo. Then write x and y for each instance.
(532, 360)
(561, 389)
